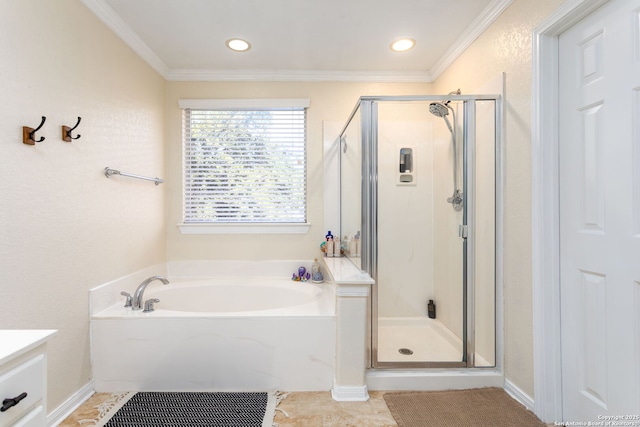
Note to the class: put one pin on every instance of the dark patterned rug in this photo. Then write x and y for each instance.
(182, 409)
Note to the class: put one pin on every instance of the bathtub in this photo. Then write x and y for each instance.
(218, 334)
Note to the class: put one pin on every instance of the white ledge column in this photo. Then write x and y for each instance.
(352, 297)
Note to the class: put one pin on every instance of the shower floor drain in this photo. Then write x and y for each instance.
(405, 351)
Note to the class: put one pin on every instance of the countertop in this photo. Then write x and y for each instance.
(345, 272)
(14, 342)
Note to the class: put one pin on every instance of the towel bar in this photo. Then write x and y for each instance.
(108, 172)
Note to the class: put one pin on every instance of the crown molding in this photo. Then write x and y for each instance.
(298, 76)
(112, 20)
(477, 27)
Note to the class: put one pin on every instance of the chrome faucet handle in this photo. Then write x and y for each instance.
(129, 298)
(148, 305)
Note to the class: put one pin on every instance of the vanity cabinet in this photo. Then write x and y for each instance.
(23, 377)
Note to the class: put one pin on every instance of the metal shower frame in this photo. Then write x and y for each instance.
(368, 107)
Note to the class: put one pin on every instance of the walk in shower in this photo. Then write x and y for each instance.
(418, 213)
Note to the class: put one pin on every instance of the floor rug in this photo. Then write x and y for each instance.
(198, 409)
(482, 407)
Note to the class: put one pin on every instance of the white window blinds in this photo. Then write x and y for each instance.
(244, 165)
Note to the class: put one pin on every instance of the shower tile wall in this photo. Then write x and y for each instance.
(405, 225)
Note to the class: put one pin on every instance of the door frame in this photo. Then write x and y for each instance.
(547, 367)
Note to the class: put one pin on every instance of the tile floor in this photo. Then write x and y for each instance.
(304, 409)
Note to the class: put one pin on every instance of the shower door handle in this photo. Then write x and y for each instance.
(463, 231)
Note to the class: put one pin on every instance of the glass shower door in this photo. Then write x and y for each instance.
(419, 301)
(418, 189)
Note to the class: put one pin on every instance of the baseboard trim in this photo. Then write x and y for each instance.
(519, 395)
(349, 394)
(71, 404)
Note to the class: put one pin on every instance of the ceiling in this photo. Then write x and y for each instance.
(339, 40)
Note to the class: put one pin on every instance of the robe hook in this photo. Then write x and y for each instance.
(66, 132)
(28, 134)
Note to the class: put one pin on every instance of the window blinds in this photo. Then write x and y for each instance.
(244, 165)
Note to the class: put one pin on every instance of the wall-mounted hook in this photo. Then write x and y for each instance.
(29, 134)
(66, 132)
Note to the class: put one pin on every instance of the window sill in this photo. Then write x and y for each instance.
(206, 228)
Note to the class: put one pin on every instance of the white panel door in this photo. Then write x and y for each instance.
(599, 104)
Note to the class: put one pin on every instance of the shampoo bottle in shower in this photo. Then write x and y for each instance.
(431, 309)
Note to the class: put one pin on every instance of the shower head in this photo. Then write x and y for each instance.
(438, 109)
(441, 109)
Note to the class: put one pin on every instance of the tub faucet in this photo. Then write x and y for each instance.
(137, 296)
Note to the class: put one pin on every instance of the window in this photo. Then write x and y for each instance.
(244, 163)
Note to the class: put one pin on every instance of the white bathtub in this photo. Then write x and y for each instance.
(233, 334)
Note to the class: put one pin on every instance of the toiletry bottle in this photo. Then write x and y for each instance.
(431, 309)
(329, 246)
(316, 275)
(329, 251)
(336, 246)
(352, 247)
(345, 244)
(357, 245)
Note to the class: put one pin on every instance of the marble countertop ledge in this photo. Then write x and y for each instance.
(345, 272)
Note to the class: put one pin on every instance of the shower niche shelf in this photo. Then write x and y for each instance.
(406, 172)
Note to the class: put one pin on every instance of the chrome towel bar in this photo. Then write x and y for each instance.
(108, 172)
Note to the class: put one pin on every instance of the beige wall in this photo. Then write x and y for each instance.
(506, 47)
(65, 227)
(329, 102)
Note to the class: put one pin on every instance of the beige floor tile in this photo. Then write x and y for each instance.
(303, 421)
(314, 406)
(86, 411)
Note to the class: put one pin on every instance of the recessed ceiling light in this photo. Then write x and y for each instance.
(402, 45)
(238, 45)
